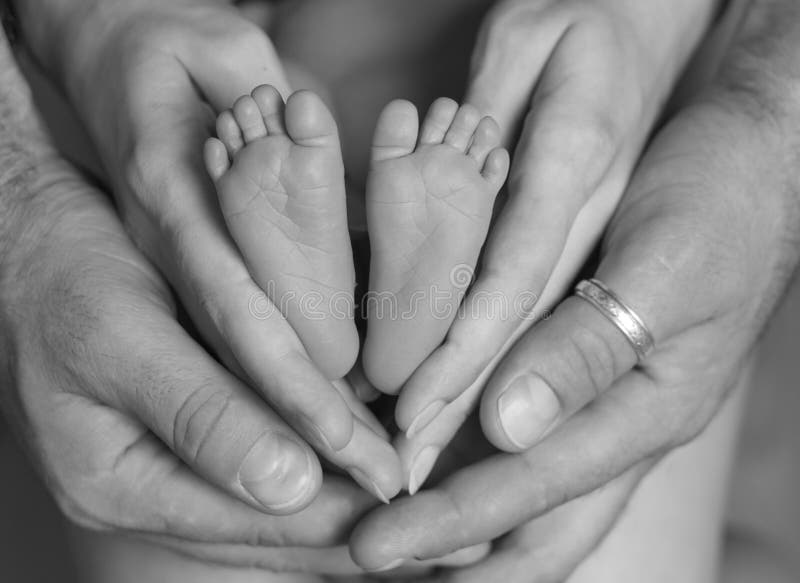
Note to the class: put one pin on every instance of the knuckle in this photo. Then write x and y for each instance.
(590, 364)
(196, 420)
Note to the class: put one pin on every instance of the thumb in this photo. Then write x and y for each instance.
(667, 257)
(212, 421)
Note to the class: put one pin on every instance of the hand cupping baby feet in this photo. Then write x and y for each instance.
(430, 194)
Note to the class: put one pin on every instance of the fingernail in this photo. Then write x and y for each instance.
(276, 471)
(527, 408)
(421, 468)
(311, 431)
(422, 420)
(388, 566)
(365, 392)
(368, 484)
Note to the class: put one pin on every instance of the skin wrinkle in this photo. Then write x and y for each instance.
(189, 445)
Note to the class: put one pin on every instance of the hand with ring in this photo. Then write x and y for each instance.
(575, 87)
(700, 249)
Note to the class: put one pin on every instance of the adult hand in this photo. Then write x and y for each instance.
(701, 247)
(585, 81)
(144, 76)
(137, 429)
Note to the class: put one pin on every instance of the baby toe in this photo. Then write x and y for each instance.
(215, 156)
(437, 121)
(248, 116)
(495, 170)
(309, 122)
(270, 103)
(396, 131)
(484, 140)
(229, 133)
(464, 123)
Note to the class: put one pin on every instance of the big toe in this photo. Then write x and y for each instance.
(396, 131)
(309, 122)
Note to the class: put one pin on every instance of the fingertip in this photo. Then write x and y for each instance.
(280, 474)
(409, 528)
(517, 415)
(371, 544)
(413, 414)
(332, 426)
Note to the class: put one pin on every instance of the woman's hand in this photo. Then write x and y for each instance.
(145, 77)
(585, 81)
(701, 247)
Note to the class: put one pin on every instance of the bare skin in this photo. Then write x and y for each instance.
(280, 179)
(430, 193)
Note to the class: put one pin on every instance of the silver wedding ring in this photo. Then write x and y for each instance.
(623, 317)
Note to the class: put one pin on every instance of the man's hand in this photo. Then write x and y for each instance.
(701, 247)
(145, 77)
(585, 82)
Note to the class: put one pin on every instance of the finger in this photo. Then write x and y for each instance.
(419, 570)
(550, 547)
(361, 385)
(331, 561)
(473, 505)
(371, 462)
(654, 259)
(539, 385)
(211, 277)
(570, 141)
(420, 453)
(274, 359)
(213, 422)
(125, 478)
(327, 561)
(359, 409)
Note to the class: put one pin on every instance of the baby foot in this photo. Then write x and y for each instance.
(280, 179)
(429, 205)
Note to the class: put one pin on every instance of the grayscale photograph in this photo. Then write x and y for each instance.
(399, 291)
